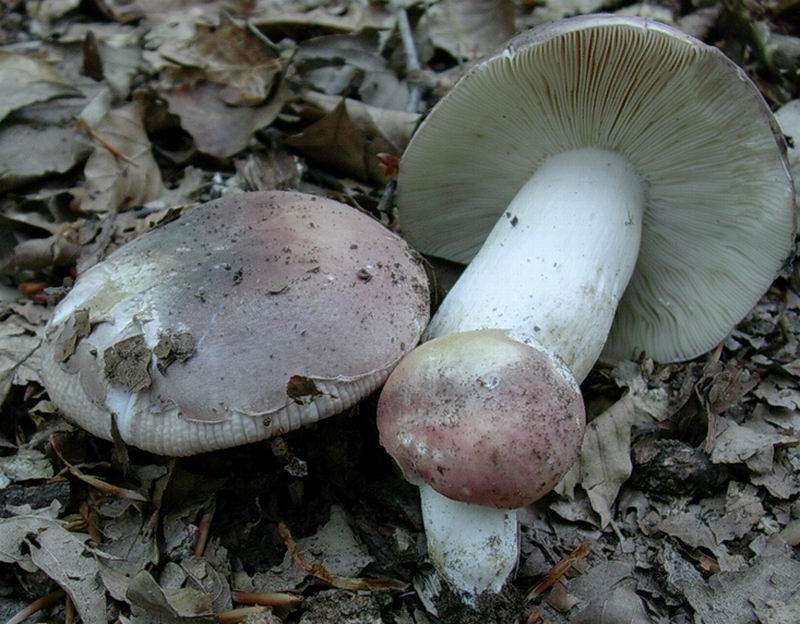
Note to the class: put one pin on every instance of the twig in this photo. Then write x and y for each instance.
(82, 125)
(203, 531)
(413, 67)
(37, 605)
(69, 611)
(559, 569)
(317, 570)
(98, 484)
(267, 599)
(237, 615)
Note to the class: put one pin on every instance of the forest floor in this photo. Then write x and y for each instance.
(115, 113)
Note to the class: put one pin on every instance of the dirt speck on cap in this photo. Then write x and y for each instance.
(127, 364)
(174, 347)
(302, 389)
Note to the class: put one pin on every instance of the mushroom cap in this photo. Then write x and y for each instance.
(482, 418)
(718, 220)
(246, 317)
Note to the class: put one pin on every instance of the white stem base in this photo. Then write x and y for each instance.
(474, 548)
(557, 262)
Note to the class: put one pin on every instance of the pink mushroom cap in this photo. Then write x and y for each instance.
(482, 418)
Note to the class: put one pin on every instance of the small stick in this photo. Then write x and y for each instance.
(559, 569)
(413, 67)
(82, 125)
(37, 605)
(237, 615)
(69, 611)
(203, 531)
(267, 599)
(317, 570)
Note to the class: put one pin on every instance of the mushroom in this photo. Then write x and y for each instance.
(245, 318)
(484, 422)
(616, 186)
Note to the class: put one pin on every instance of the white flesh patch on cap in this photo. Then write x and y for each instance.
(718, 218)
(474, 548)
(557, 263)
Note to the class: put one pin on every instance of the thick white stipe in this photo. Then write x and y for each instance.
(557, 262)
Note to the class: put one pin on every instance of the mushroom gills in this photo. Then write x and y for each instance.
(557, 262)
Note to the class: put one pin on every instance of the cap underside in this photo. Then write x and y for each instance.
(718, 219)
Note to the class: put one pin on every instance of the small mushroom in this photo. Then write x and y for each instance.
(484, 423)
(614, 184)
(244, 318)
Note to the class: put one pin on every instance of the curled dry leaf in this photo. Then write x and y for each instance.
(121, 172)
(25, 81)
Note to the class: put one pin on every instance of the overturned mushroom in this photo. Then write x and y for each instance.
(246, 317)
(614, 185)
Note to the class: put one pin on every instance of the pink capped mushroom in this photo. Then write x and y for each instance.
(615, 186)
(484, 423)
(246, 317)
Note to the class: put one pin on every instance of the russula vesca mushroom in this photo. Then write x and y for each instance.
(484, 423)
(246, 317)
(614, 184)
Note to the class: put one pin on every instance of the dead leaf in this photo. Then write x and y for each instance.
(30, 150)
(218, 129)
(25, 81)
(350, 137)
(605, 459)
(153, 604)
(730, 597)
(64, 558)
(779, 392)
(24, 465)
(467, 29)
(239, 59)
(121, 173)
(18, 357)
(320, 571)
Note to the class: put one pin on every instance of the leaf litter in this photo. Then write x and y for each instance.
(114, 116)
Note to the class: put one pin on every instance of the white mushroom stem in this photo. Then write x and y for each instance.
(555, 267)
(557, 262)
(474, 548)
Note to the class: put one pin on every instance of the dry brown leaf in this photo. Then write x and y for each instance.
(218, 129)
(230, 55)
(63, 557)
(121, 173)
(25, 81)
(467, 29)
(351, 136)
(605, 459)
(319, 571)
(153, 604)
